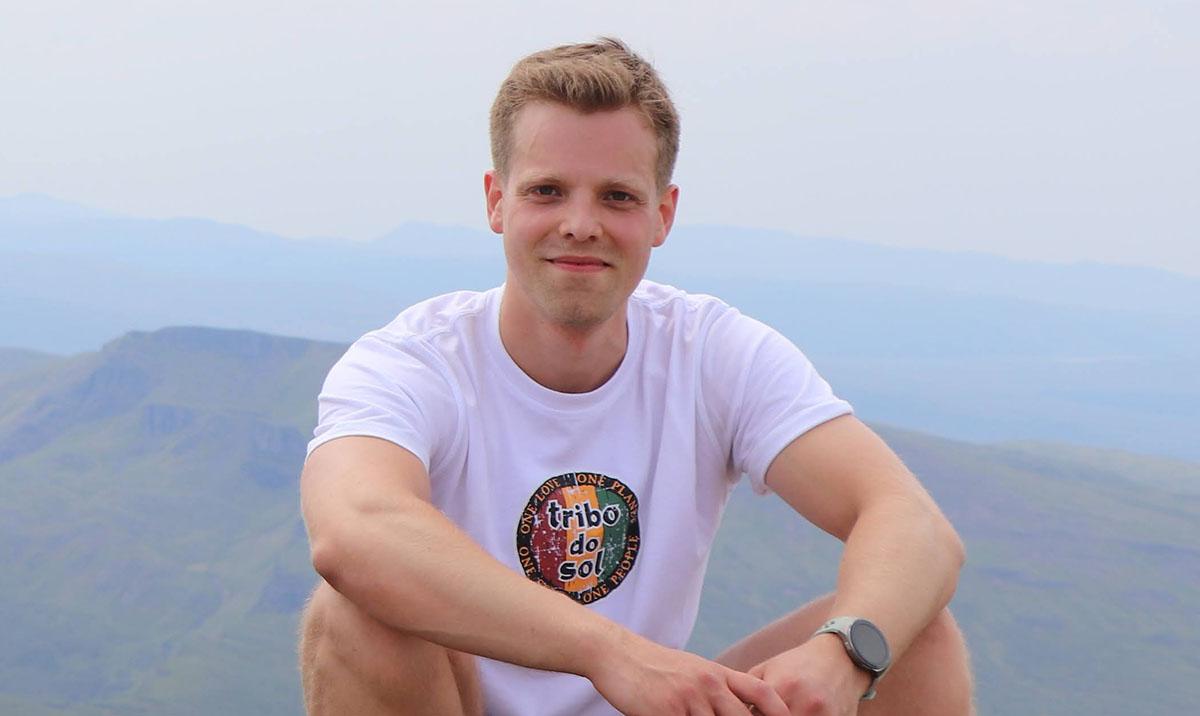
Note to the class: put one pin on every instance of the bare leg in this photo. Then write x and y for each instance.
(351, 663)
(932, 679)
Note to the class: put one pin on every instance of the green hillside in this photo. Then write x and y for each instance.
(1080, 591)
(152, 559)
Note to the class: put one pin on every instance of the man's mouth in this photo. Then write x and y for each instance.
(578, 263)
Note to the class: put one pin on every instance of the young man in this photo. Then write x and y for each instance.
(511, 495)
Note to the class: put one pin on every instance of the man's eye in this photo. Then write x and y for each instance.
(621, 196)
(544, 190)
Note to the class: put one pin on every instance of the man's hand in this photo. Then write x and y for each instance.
(642, 678)
(816, 678)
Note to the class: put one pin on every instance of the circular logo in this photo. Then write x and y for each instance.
(579, 535)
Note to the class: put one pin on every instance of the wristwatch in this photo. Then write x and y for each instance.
(865, 644)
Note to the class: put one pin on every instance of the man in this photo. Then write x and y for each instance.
(510, 490)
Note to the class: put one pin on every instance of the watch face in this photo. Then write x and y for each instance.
(868, 641)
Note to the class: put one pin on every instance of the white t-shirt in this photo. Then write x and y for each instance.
(611, 496)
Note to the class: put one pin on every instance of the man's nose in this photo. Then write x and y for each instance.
(581, 220)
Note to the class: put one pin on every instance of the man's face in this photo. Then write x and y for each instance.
(580, 211)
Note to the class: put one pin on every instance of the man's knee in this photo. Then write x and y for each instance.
(942, 628)
(319, 615)
(335, 631)
(342, 647)
(942, 642)
(934, 674)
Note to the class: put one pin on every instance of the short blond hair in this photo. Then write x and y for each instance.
(587, 77)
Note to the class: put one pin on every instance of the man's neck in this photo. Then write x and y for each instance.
(563, 358)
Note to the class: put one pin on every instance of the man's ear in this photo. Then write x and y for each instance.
(667, 203)
(492, 191)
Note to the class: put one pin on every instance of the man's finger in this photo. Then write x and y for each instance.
(726, 704)
(757, 693)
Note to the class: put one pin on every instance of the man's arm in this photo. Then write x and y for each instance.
(376, 539)
(901, 559)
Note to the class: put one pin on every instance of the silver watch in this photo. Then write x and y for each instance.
(865, 644)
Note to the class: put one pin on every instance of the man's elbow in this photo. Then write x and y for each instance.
(953, 543)
(954, 549)
(338, 545)
(326, 558)
(345, 544)
(329, 545)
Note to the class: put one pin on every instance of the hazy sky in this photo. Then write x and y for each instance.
(1052, 129)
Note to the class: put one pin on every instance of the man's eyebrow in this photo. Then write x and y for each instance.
(622, 183)
(538, 179)
(629, 184)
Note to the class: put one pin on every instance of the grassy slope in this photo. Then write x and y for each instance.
(152, 560)
(1081, 584)
(155, 551)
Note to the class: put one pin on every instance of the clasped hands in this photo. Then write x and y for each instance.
(816, 678)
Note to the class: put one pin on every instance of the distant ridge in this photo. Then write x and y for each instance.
(966, 345)
(206, 339)
(762, 254)
(152, 367)
(1180, 477)
(91, 277)
(690, 251)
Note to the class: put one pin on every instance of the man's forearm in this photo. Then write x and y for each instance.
(899, 568)
(901, 560)
(412, 569)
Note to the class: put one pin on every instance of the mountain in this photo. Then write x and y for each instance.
(965, 345)
(152, 550)
(153, 560)
(60, 256)
(69, 283)
(45, 226)
(772, 255)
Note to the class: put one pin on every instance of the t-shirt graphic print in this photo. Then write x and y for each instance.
(579, 535)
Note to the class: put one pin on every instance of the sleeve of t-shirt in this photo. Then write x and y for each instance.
(392, 389)
(762, 393)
